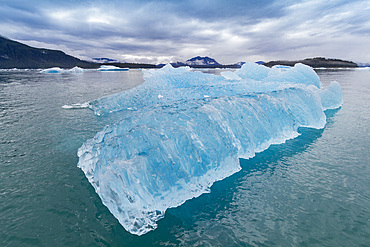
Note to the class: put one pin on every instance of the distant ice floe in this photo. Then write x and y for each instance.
(57, 70)
(363, 68)
(111, 68)
(182, 130)
(76, 106)
(344, 68)
(15, 70)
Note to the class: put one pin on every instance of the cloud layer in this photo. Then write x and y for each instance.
(168, 31)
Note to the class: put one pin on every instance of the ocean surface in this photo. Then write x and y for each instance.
(310, 191)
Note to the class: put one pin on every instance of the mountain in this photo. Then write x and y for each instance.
(316, 62)
(198, 61)
(14, 54)
(363, 64)
(17, 55)
(104, 60)
(202, 61)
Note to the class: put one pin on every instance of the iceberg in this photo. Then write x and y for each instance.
(182, 130)
(111, 68)
(76, 106)
(57, 70)
(54, 70)
(168, 85)
(75, 70)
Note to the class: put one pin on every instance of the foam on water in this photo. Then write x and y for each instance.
(186, 129)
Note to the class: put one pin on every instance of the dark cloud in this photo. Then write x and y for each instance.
(166, 30)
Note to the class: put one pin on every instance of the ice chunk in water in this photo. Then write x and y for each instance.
(186, 129)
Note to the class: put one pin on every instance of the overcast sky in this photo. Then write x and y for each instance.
(167, 31)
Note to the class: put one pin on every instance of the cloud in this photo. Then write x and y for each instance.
(164, 31)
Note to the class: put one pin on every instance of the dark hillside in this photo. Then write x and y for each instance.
(17, 55)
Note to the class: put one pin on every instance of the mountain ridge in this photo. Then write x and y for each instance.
(316, 62)
(14, 54)
(201, 62)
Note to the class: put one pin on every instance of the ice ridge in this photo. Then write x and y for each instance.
(169, 84)
(172, 148)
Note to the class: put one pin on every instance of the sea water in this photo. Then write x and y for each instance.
(313, 190)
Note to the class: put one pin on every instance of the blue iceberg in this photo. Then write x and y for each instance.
(57, 70)
(182, 130)
(168, 85)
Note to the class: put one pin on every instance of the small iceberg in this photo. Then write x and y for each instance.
(54, 70)
(57, 70)
(111, 68)
(75, 70)
(76, 106)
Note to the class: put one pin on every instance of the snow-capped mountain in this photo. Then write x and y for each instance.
(201, 61)
(104, 60)
(363, 64)
(197, 61)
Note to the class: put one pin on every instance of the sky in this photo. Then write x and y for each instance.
(165, 31)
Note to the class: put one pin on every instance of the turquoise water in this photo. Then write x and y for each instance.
(311, 191)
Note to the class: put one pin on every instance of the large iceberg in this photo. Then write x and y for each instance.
(182, 130)
(168, 85)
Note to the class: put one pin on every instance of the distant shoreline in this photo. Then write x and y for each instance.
(317, 62)
(14, 54)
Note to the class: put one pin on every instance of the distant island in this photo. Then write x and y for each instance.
(317, 62)
(14, 54)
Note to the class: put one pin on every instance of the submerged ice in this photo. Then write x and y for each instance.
(182, 130)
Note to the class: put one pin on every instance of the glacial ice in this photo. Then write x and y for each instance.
(111, 68)
(57, 70)
(182, 130)
(169, 84)
(75, 70)
(76, 106)
(54, 70)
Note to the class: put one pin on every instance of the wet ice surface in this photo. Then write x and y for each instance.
(180, 131)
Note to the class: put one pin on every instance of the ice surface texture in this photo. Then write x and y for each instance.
(186, 130)
(168, 85)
